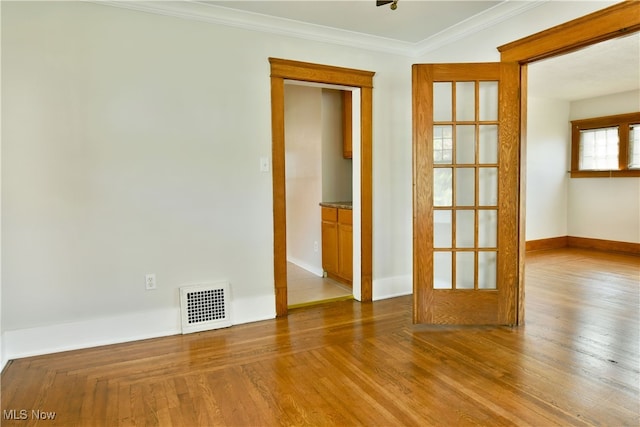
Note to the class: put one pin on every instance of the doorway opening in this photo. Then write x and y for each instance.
(615, 21)
(358, 81)
(320, 155)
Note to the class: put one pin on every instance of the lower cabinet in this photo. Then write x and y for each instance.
(337, 244)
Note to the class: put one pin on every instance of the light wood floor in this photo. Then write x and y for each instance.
(305, 288)
(576, 362)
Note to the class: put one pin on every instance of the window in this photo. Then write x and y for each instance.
(606, 146)
(634, 147)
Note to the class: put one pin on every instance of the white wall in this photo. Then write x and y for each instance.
(337, 172)
(303, 160)
(131, 145)
(547, 163)
(605, 208)
(558, 205)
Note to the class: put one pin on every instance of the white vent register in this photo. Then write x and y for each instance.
(205, 306)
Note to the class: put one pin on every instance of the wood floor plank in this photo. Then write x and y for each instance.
(575, 362)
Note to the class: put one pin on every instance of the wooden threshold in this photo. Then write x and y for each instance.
(319, 302)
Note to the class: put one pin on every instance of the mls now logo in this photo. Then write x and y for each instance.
(14, 414)
(23, 414)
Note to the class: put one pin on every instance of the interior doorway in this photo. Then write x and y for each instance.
(319, 171)
(615, 21)
(362, 83)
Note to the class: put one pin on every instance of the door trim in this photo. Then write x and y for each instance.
(281, 70)
(615, 21)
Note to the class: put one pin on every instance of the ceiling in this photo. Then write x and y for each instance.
(414, 29)
(611, 66)
(608, 67)
(411, 22)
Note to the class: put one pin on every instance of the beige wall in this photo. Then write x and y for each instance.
(303, 157)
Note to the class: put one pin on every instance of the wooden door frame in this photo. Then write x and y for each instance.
(615, 21)
(281, 70)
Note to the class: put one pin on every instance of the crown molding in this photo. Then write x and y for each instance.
(488, 18)
(201, 11)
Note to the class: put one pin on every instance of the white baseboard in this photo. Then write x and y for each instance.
(118, 329)
(318, 271)
(3, 356)
(254, 309)
(91, 333)
(391, 287)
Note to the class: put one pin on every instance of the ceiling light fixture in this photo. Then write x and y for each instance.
(394, 3)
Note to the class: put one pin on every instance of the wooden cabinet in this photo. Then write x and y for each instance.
(345, 244)
(347, 107)
(337, 244)
(330, 240)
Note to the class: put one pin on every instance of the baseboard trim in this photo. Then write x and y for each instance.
(604, 245)
(119, 329)
(318, 271)
(583, 243)
(391, 287)
(545, 244)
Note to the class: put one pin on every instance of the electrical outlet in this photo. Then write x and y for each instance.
(150, 281)
(315, 246)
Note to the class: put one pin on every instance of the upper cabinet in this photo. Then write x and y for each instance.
(347, 151)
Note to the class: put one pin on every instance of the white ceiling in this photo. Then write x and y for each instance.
(608, 67)
(412, 22)
(415, 28)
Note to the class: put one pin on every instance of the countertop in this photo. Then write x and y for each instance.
(339, 205)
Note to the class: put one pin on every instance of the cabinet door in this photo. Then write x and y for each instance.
(330, 240)
(345, 251)
(345, 244)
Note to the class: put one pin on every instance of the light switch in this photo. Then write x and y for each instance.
(264, 164)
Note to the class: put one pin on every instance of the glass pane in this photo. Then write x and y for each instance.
(442, 105)
(634, 147)
(488, 144)
(466, 144)
(443, 144)
(487, 229)
(465, 229)
(488, 101)
(465, 186)
(442, 225)
(442, 270)
(487, 270)
(465, 270)
(599, 149)
(488, 187)
(442, 186)
(465, 101)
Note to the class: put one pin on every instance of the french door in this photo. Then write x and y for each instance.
(466, 125)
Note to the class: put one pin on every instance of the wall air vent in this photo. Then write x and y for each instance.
(205, 306)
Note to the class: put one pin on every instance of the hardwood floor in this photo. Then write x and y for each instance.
(575, 362)
(305, 288)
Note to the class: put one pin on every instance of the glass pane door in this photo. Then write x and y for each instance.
(465, 185)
